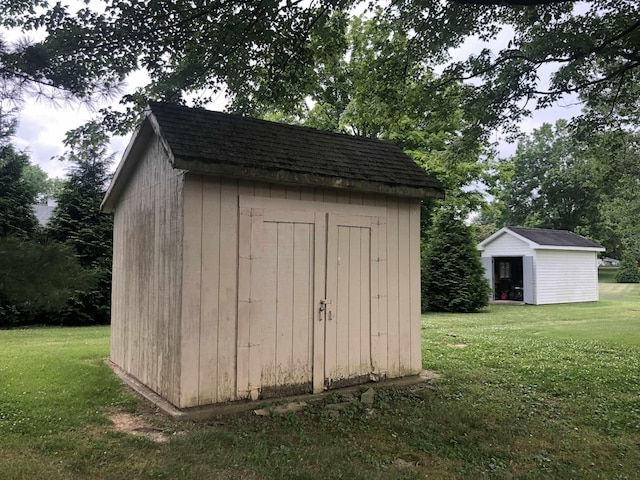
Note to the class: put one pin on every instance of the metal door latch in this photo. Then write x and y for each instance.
(323, 308)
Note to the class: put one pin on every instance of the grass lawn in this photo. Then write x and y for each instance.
(548, 392)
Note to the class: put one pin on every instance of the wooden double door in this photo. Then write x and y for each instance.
(305, 288)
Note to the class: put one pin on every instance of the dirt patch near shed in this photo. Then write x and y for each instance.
(137, 426)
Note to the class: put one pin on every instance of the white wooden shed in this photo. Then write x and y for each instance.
(255, 259)
(541, 266)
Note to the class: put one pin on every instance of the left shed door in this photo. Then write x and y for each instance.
(275, 302)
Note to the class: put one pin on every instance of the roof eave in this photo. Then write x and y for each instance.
(299, 178)
(125, 167)
(570, 247)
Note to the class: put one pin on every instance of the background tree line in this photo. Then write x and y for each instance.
(59, 273)
(387, 74)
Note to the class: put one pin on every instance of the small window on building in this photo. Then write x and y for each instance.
(505, 269)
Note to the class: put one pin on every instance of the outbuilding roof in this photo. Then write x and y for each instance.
(204, 141)
(554, 237)
(541, 238)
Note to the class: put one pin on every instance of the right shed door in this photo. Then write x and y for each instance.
(352, 262)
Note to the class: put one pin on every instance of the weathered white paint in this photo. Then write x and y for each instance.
(147, 275)
(218, 282)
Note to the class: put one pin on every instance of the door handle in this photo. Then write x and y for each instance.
(323, 308)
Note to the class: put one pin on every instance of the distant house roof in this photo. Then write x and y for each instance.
(540, 238)
(204, 141)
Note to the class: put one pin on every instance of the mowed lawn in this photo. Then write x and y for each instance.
(526, 392)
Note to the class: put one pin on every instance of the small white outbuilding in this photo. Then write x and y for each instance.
(253, 259)
(540, 266)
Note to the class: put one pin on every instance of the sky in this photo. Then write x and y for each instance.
(43, 124)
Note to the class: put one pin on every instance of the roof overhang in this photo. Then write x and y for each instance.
(300, 178)
(573, 249)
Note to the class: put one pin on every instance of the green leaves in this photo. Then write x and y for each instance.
(452, 275)
(17, 195)
(36, 277)
(563, 179)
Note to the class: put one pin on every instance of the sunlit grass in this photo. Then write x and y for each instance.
(531, 392)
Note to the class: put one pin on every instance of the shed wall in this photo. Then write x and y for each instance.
(507, 246)
(565, 276)
(147, 269)
(210, 332)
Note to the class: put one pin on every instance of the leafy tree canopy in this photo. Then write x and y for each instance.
(590, 49)
(548, 182)
(375, 89)
(559, 179)
(268, 51)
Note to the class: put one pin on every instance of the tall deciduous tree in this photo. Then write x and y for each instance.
(560, 178)
(376, 89)
(550, 182)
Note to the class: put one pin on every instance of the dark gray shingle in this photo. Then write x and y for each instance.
(198, 137)
(557, 238)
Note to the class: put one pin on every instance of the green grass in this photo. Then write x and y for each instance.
(607, 274)
(548, 392)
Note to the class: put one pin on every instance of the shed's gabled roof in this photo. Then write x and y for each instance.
(541, 238)
(547, 237)
(204, 141)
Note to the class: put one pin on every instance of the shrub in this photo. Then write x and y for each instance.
(36, 278)
(628, 272)
(452, 275)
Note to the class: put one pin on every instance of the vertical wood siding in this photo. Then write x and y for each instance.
(147, 269)
(236, 335)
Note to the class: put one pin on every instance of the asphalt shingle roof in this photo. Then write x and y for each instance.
(203, 140)
(557, 238)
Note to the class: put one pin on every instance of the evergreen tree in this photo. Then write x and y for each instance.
(77, 221)
(452, 275)
(17, 196)
(36, 276)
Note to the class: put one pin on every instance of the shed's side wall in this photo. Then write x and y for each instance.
(147, 268)
(507, 246)
(209, 312)
(565, 276)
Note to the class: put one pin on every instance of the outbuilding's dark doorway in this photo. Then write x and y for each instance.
(507, 274)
